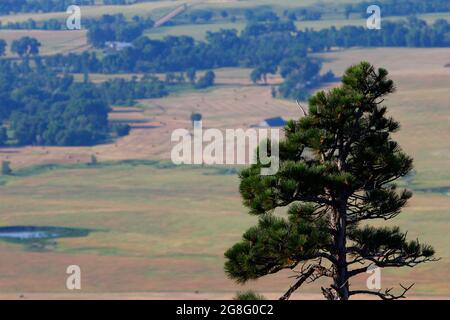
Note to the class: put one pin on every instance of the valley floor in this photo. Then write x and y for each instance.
(158, 227)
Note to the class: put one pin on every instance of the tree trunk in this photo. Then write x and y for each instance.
(341, 273)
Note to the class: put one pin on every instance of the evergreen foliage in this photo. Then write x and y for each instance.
(338, 167)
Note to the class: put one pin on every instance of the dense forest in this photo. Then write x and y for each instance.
(40, 107)
(46, 109)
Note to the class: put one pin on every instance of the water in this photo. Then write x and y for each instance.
(24, 233)
(440, 190)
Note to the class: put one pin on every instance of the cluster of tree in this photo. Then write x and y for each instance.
(3, 136)
(119, 2)
(204, 16)
(116, 28)
(206, 81)
(60, 24)
(123, 92)
(254, 29)
(303, 14)
(262, 13)
(3, 46)
(23, 47)
(42, 108)
(300, 76)
(399, 7)
(260, 73)
(17, 6)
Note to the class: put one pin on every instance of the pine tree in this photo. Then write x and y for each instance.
(338, 165)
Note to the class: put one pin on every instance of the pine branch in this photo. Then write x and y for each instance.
(386, 295)
(312, 272)
(301, 279)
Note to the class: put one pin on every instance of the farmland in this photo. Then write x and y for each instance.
(198, 31)
(158, 234)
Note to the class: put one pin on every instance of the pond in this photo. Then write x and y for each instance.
(441, 190)
(30, 233)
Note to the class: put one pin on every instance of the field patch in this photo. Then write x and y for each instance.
(53, 42)
(163, 230)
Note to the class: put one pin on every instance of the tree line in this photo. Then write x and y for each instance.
(399, 7)
(19, 6)
(257, 44)
(116, 28)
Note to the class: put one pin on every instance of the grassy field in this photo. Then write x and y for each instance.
(141, 9)
(154, 230)
(156, 8)
(160, 231)
(52, 42)
(420, 103)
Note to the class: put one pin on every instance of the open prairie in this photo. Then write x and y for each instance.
(160, 231)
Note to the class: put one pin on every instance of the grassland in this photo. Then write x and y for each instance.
(52, 42)
(156, 8)
(141, 9)
(160, 231)
(155, 230)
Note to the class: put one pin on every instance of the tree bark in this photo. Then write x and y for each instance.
(341, 273)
